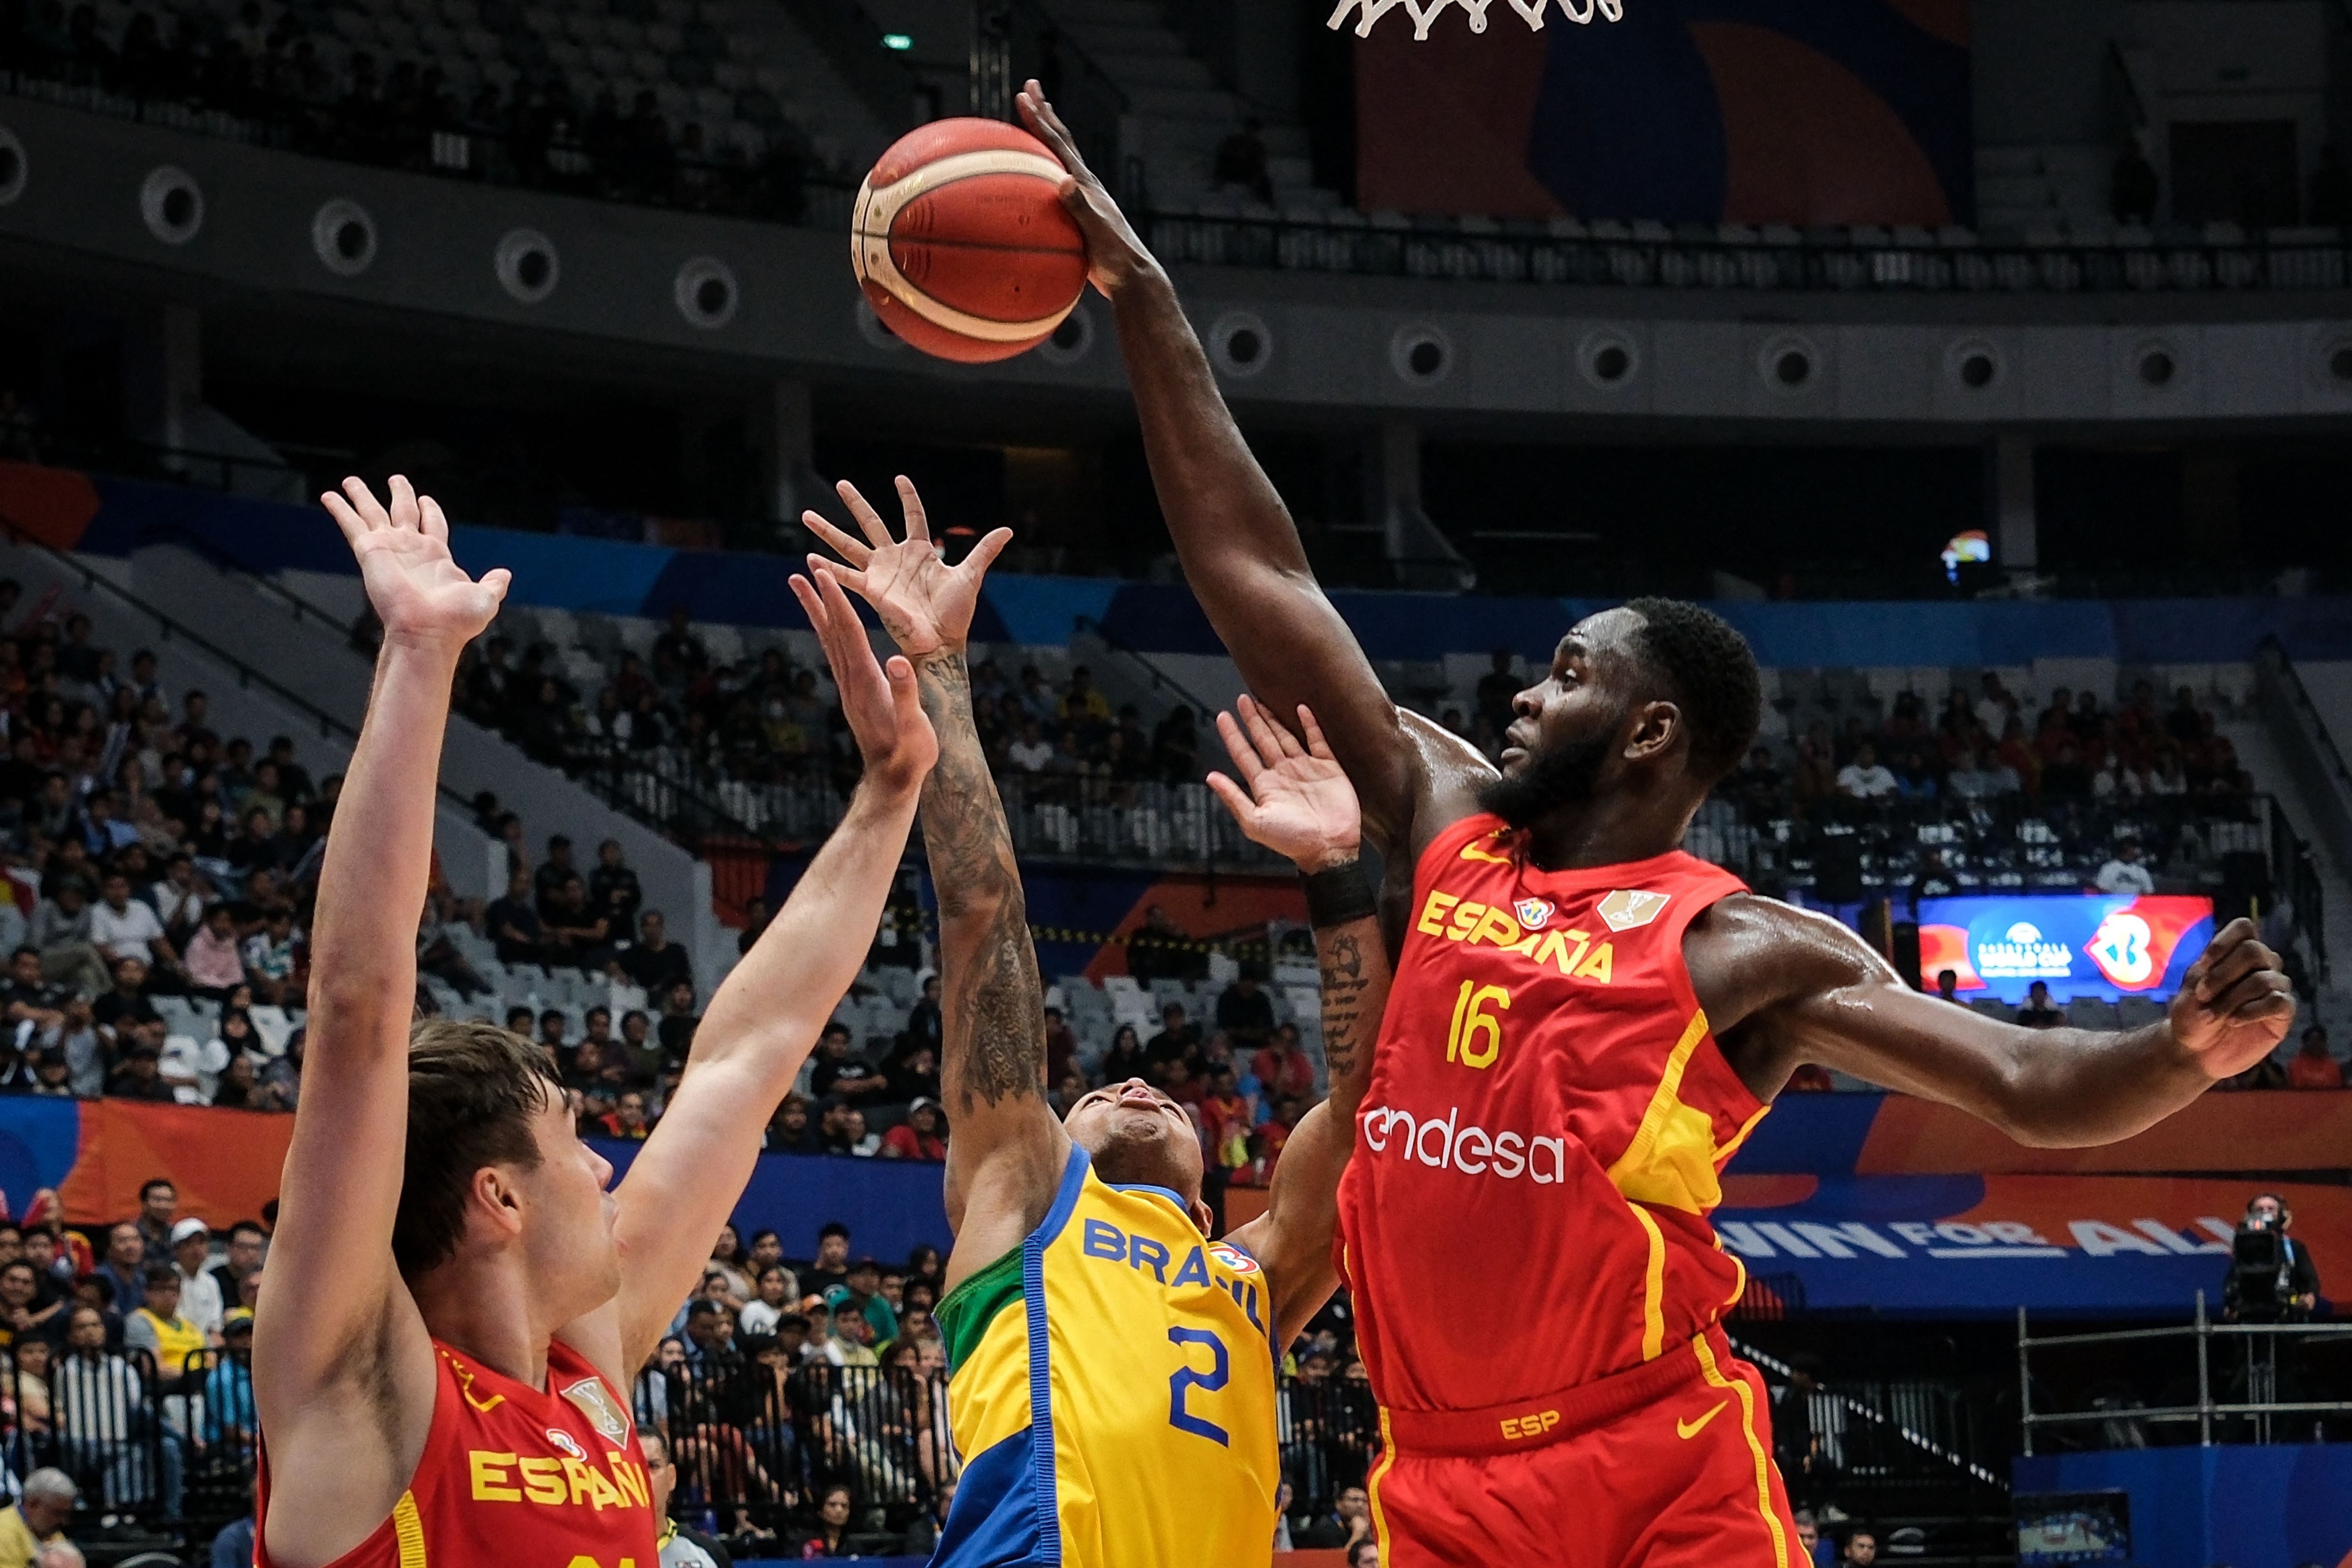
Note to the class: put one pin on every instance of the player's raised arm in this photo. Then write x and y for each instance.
(1006, 1154)
(764, 1020)
(1241, 551)
(343, 1366)
(1806, 989)
(1295, 800)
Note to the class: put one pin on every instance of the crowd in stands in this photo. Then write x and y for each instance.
(525, 116)
(763, 720)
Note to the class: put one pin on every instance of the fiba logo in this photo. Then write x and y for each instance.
(565, 1441)
(2025, 933)
(2123, 949)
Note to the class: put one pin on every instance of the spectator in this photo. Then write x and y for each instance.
(200, 1293)
(158, 1326)
(1032, 751)
(789, 1131)
(215, 964)
(1177, 1040)
(1350, 1521)
(2314, 1067)
(1865, 778)
(840, 1075)
(44, 1507)
(830, 1538)
(923, 1025)
(831, 1267)
(861, 1292)
(1245, 1012)
(159, 1211)
(124, 1016)
(140, 1076)
(270, 960)
(512, 923)
(1947, 986)
(1860, 1547)
(918, 1137)
(844, 1129)
(2039, 1012)
(678, 1022)
(1284, 1067)
(61, 930)
(2124, 873)
(756, 920)
(612, 890)
(778, 1290)
(246, 1241)
(1241, 161)
(1061, 1045)
(230, 1418)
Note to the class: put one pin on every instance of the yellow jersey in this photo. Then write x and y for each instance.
(1111, 1386)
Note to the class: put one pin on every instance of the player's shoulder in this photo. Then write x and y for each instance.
(1745, 951)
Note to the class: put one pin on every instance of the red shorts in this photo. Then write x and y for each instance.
(1666, 1466)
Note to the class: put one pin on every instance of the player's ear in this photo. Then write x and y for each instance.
(1203, 1218)
(1656, 726)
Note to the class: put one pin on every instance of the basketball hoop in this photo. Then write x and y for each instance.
(1424, 11)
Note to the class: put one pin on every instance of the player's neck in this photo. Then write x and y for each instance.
(1610, 831)
(485, 1307)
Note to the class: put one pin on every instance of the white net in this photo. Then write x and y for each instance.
(1368, 13)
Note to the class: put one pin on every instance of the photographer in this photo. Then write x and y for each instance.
(2272, 1277)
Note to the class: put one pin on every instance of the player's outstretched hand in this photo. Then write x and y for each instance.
(925, 604)
(884, 709)
(1115, 253)
(2235, 1003)
(1293, 799)
(420, 593)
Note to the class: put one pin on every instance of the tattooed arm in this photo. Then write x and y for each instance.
(1298, 802)
(1007, 1150)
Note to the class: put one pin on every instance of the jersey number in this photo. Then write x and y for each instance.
(1208, 1381)
(1476, 1037)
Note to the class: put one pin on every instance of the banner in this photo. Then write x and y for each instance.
(96, 1154)
(2103, 945)
(1749, 112)
(1985, 1245)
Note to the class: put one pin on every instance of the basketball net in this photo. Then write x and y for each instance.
(1424, 11)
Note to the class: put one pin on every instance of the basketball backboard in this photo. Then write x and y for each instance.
(1424, 11)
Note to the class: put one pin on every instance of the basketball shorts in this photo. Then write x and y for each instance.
(1667, 1465)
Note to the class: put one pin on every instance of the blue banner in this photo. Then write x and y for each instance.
(2107, 945)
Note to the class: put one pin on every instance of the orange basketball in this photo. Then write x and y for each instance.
(961, 243)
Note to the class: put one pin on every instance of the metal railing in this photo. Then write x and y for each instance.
(2255, 1413)
(103, 1418)
(761, 1444)
(1604, 254)
(2311, 753)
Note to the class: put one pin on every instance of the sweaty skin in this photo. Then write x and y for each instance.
(1781, 986)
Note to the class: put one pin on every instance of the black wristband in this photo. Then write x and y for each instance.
(1338, 896)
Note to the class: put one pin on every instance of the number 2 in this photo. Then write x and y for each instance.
(1208, 1381)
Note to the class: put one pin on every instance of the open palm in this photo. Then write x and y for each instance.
(417, 588)
(1297, 801)
(925, 604)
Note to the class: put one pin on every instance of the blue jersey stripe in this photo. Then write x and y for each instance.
(1041, 1371)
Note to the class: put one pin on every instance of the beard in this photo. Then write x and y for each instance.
(1566, 775)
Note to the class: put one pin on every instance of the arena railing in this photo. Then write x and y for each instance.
(1014, 43)
(1607, 255)
(104, 1419)
(2238, 1359)
(761, 1446)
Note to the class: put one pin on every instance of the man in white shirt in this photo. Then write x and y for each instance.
(122, 927)
(1865, 777)
(1992, 705)
(1032, 752)
(2124, 874)
(200, 1293)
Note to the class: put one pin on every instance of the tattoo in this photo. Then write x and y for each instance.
(1342, 957)
(992, 1000)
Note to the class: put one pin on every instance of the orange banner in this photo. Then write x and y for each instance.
(2277, 1130)
(226, 1163)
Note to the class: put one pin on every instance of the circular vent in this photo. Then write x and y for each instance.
(173, 205)
(14, 167)
(1071, 340)
(1422, 355)
(1790, 365)
(1608, 359)
(707, 292)
(1241, 344)
(2157, 365)
(343, 236)
(1975, 365)
(527, 266)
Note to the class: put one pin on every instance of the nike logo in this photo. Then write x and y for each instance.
(1689, 1429)
(1472, 852)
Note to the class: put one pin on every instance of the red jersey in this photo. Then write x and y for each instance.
(513, 1476)
(1543, 1131)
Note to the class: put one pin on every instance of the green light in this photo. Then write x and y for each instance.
(899, 41)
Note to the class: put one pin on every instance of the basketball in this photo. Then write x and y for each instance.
(962, 244)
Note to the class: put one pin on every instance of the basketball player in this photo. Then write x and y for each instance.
(1585, 1022)
(457, 1305)
(1111, 1369)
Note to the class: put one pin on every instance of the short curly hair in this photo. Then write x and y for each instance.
(1711, 673)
